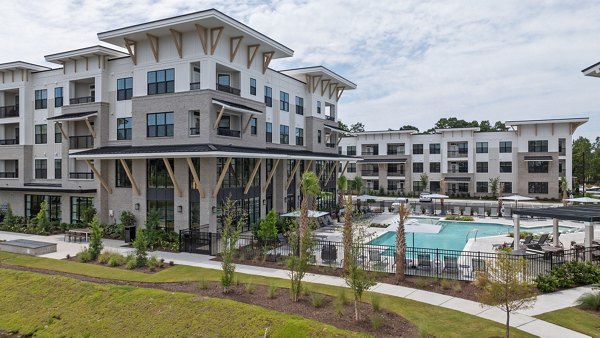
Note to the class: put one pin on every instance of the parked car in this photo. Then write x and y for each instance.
(424, 197)
(397, 202)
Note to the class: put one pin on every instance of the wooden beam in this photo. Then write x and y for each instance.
(172, 175)
(332, 89)
(203, 35)
(252, 50)
(131, 46)
(267, 57)
(214, 41)
(270, 176)
(316, 81)
(90, 127)
(195, 177)
(221, 177)
(98, 176)
(234, 45)
(344, 168)
(324, 85)
(62, 131)
(340, 90)
(306, 168)
(322, 171)
(292, 175)
(219, 117)
(247, 123)
(178, 39)
(134, 185)
(334, 169)
(153, 39)
(254, 171)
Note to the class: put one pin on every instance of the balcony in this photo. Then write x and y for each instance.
(330, 145)
(9, 142)
(457, 153)
(195, 131)
(9, 175)
(194, 85)
(458, 171)
(369, 172)
(330, 118)
(83, 99)
(81, 142)
(9, 111)
(228, 132)
(395, 173)
(228, 89)
(81, 175)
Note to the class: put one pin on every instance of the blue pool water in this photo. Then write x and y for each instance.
(453, 235)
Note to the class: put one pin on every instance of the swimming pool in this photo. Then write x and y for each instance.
(454, 235)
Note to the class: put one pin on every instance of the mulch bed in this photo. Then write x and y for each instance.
(392, 325)
(144, 269)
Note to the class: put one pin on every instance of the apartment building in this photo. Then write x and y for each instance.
(529, 159)
(187, 114)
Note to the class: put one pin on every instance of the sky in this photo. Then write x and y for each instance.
(414, 61)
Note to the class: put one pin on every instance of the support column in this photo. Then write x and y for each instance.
(555, 232)
(589, 237)
(517, 237)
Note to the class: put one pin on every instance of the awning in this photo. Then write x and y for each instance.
(73, 116)
(587, 213)
(538, 158)
(236, 107)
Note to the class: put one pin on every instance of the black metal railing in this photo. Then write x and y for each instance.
(330, 118)
(81, 142)
(9, 111)
(228, 89)
(10, 141)
(369, 173)
(81, 175)
(194, 85)
(195, 131)
(228, 132)
(395, 173)
(457, 153)
(9, 175)
(83, 99)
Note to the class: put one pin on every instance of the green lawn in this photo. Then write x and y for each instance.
(430, 319)
(575, 319)
(51, 306)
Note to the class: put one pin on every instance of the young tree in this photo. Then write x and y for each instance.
(347, 233)
(87, 214)
(140, 244)
(563, 188)
(503, 285)
(267, 230)
(424, 181)
(401, 242)
(151, 230)
(342, 186)
(229, 238)
(494, 185)
(41, 218)
(95, 247)
(310, 189)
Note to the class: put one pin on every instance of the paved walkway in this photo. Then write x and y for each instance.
(522, 320)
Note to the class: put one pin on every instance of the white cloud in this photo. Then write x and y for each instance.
(413, 61)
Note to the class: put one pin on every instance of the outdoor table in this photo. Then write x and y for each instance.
(78, 233)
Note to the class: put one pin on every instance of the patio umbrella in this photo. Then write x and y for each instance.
(311, 214)
(441, 198)
(583, 200)
(517, 198)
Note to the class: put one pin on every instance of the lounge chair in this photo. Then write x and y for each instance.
(423, 261)
(456, 211)
(494, 212)
(376, 259)
(498, 246)
(328, 220)
(538, 245)
(467, 211)
(481, 212)
(282, 240)
(329, 254)
(507, 212)
(477, 265)
(450, 263)
(527, 240)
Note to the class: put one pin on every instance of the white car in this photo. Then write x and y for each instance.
(424, 197)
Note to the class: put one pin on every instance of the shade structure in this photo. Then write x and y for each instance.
(311, 214)
(437, 196)
(364, 198)
(583, 200)
(413, 226)
(516, 198)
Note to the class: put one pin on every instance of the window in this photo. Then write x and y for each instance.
(157, 174)
(33, 205)
(41, 168)
(284, 134)
(562, 147)
(318, 107)
(417, 186)
(41, 99)
(482, 187)
(435, 186)
(507, 187)
(252, 86)
(159, 124)
(435, 148)
(538, 146)
(78, 205)
(370, 149)
(506, 146)
(538, 187)
(351, 167)
(506, 167)
(417, 149)
(41, 136)
(537, 167)
(339, 150)
(318, 136)
(253, 126)
(395, 148)
(58, 169)
(269, 132)
(268, 96)
(57, 134)
(124, 89)
(124, 128)
(299, 136)
(417, 167)
(161, 81)
(284, 101)
(481, 147)
(121, 178)
(351, 150)
(194, 122)
(58, 97)
(435, 167)
(299, 105)
(481, 167)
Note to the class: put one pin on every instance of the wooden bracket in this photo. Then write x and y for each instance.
(131, 46)
(203, 35)
(322, 171)
(153, 45)
(62, 131)
(247, 124)
(292, 175)
(332, 89)
(324, 85)
(254, 171)
(172, 175)
(222, 177)
(98, 176)
(252, 50)
(219, 117)
(267, 57)
(315, 82)
(333, 169)
(270, 176)
(195, 177)
(91, 129)
(214, 41)
(234, 45)
(87, 62)
(344, 168)
(134, 185)
(74, 63)
(178, 39)
(340, 90)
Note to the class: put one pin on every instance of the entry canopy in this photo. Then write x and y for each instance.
(311, 214)
(585, 213)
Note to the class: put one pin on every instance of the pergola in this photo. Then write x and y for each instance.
(589, 214)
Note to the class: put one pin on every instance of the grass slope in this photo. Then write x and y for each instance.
(53, 306)
(574, 319)
(432, 320)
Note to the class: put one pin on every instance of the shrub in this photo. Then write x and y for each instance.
(250, 288)
(131, 263)
(84, 256)
(589, 301)
(460, 218)
(376, 322)
(141, 247)
(376, 303)
(456, 287)
(68, 256)
(152, 262)
(316, 299)
(339, 309)
(422, 282)
(104, 257)
(116, 259)
(568, 275)
(95, 247)
(171, 263)
(203, 284)
(272, 291)
(341, 297)
(448, 284)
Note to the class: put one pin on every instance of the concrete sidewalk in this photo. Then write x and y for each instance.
(522, 320)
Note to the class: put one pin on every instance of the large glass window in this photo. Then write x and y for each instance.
(417, 167)
(41, 134)
(540, 146)
(506, 167)
(253, 126)
(481, 147)
(268, 96)
(157, 174)
(252, 86)
(58, 97)
(299, 105)
(41, 168)
(417, 149)
(41, 99)
(537, 166)
(284, 101)
(351, 167)
(319, 136)
(284, 134)
(481, 167)
(299, 136)
(161, 81)
(435, 167)
(121, 178)
(78, 205)
(318, 107)
(506, 146)
(160, 124)
(124, 128)
(538, 187)
(351, 150)
(269, 132)
(482, 187)
(160, 194)
(58, 169)
(435, 148)
(33, 205)
(124, 89)
(507, 187)
(57, 134)
(417, 187)
(395, 148)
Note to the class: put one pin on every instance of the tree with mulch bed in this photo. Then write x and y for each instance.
(95, 247)
(229, 238)
(267, 230)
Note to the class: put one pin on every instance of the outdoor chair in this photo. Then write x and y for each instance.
(498, 246)
(450, 263)
(281, 239)
(527, 240)
(408, 263)
(507, 212)
(494, 212)
(481, 212)
(539, 243)
(376, 260)
(424, 261)
(456, 211)
(477, 265)
(329, 254)
(467, 211)
(329, 220)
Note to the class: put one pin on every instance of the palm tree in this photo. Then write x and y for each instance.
(401, 242)
(563, 187)
(342, 184)
(310, 188)
(358, 185)
(347, 231)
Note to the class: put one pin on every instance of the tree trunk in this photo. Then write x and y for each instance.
(401, 243)
(347, 234)
(356, 318)
(507, 324)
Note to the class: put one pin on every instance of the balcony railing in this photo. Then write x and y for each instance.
(458, 171)
(84, 99)
(9, 175)
(228, 132)
(458, 154)
(369, 173)
(330, 145)
(330, 118)
(81, 142)
(9, 111)
(395, 173)
(228, 89)
(9, 142)
(194, 85)
(81, 175)
(195, 131)
(370, 152)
